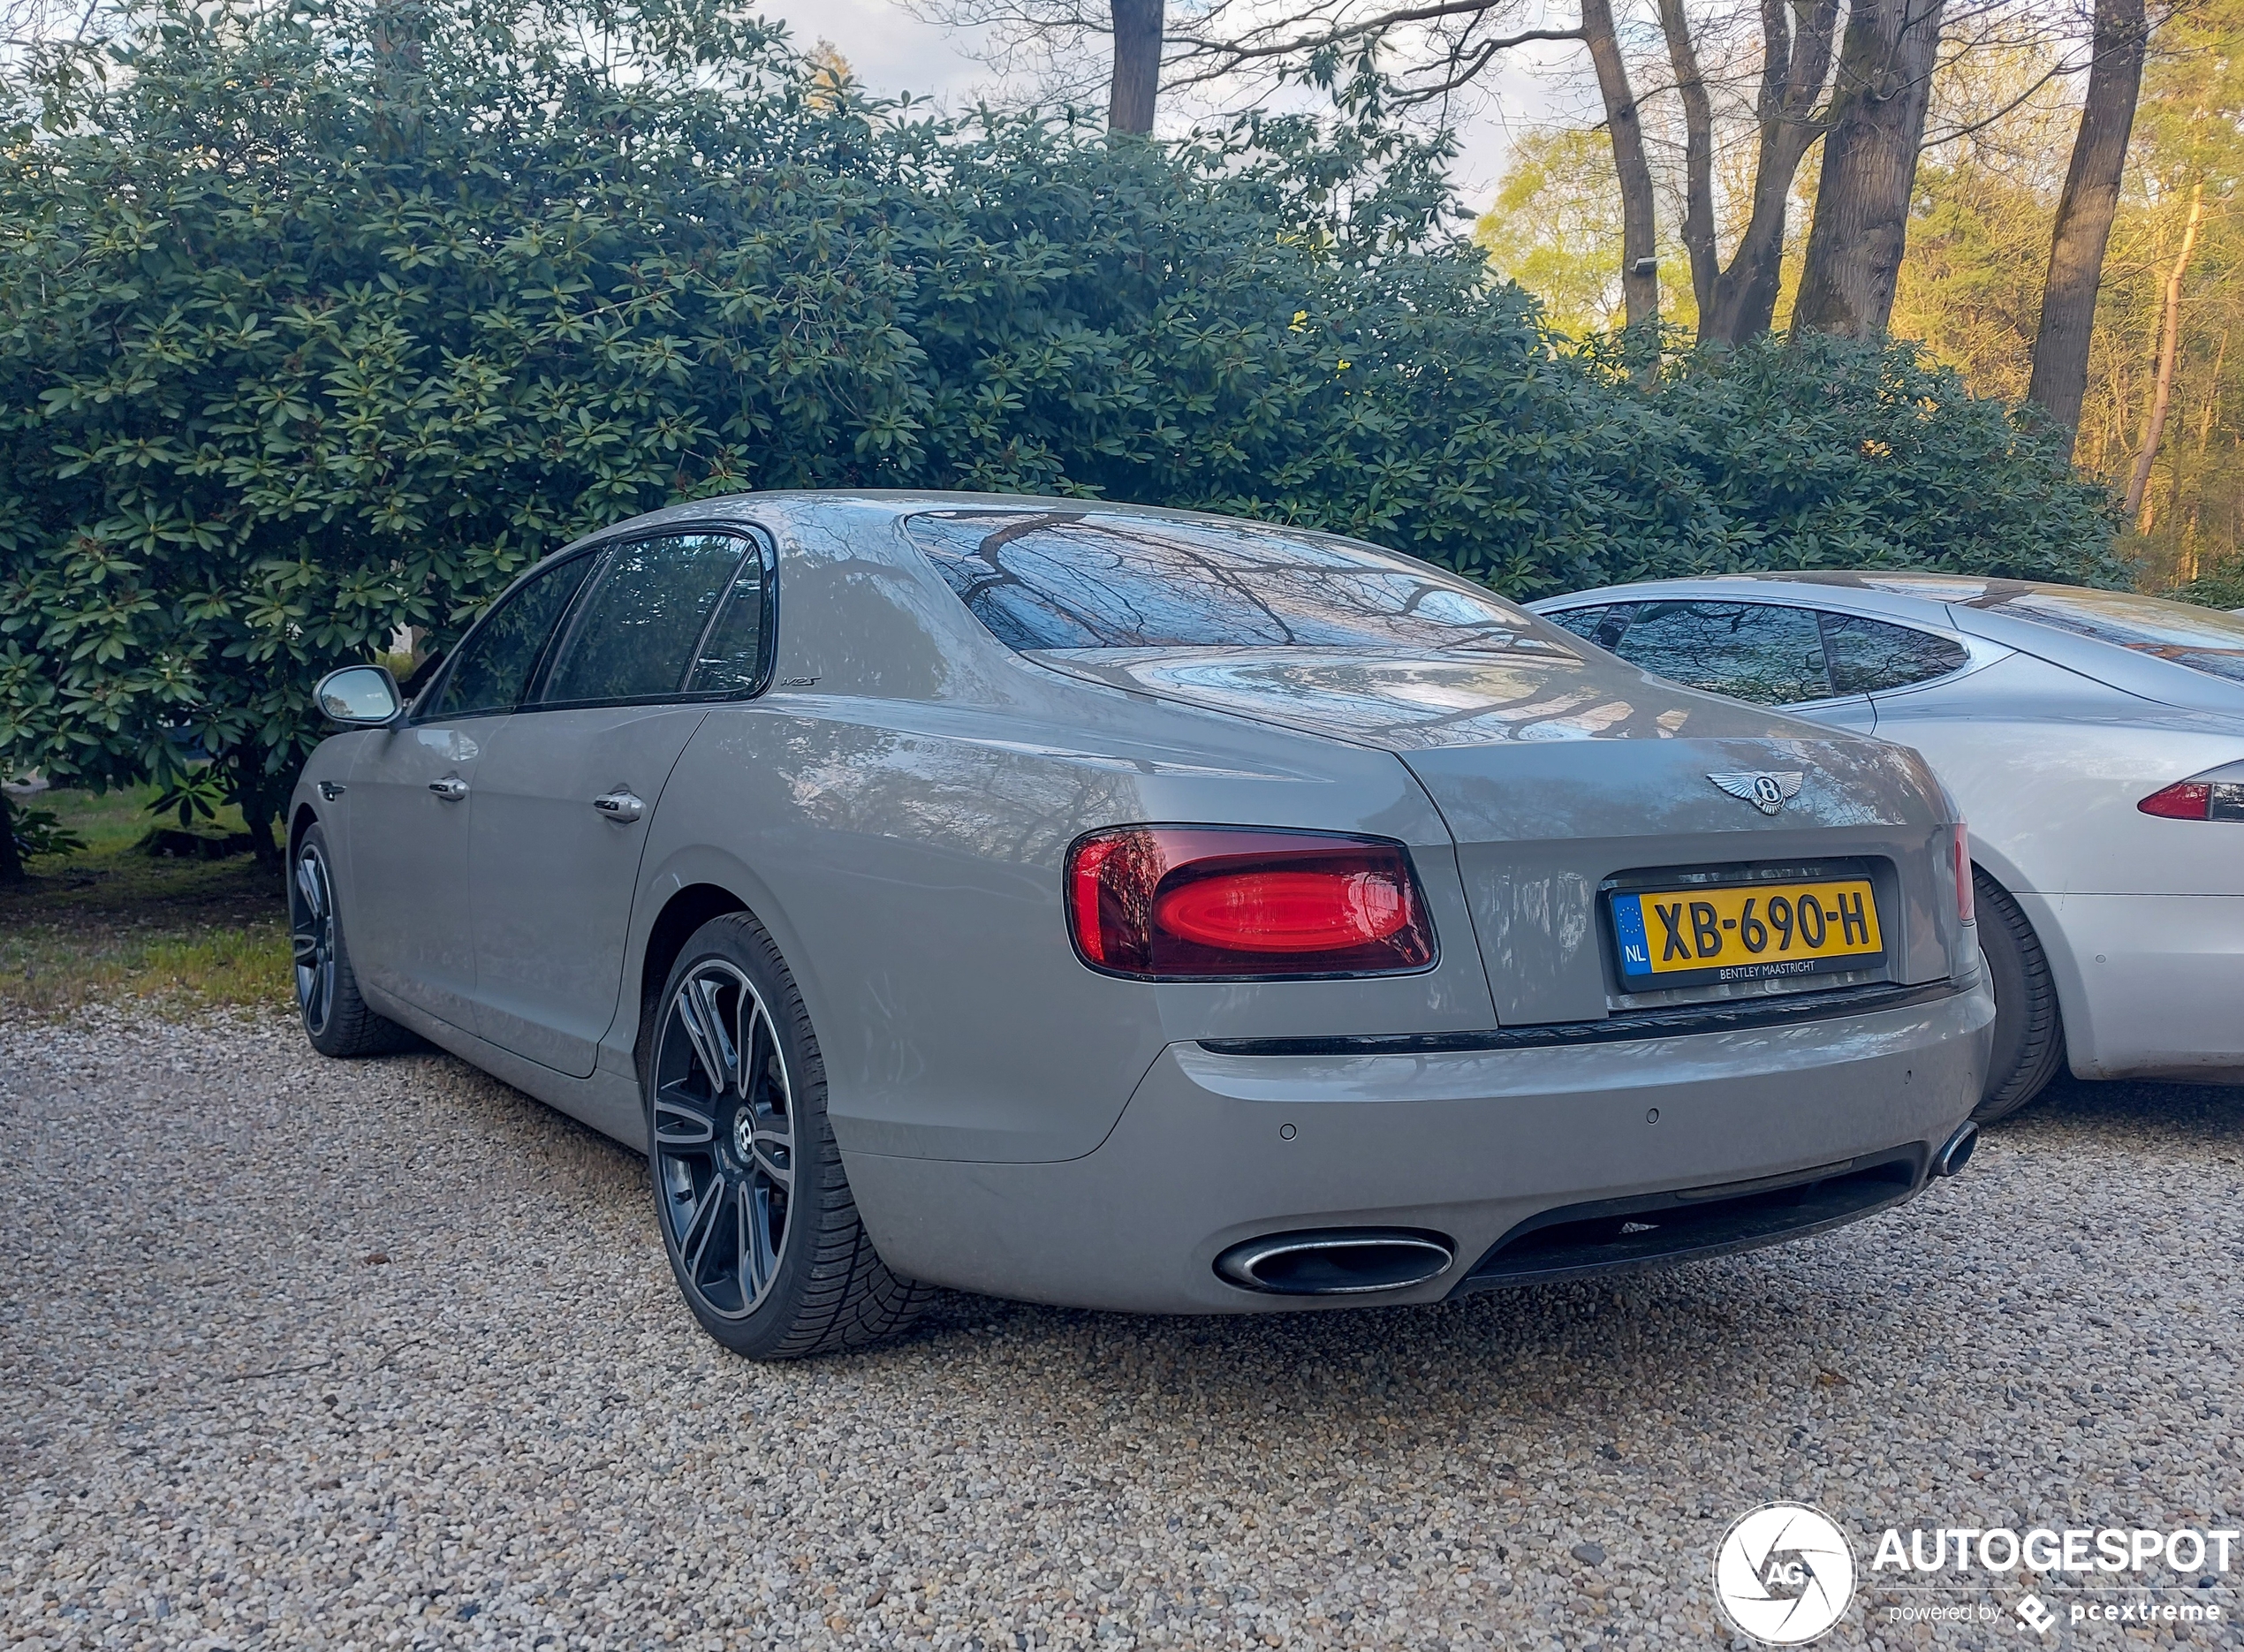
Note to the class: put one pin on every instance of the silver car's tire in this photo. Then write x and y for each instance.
(756, 1213)
(335, 1018)
(2029, 1034)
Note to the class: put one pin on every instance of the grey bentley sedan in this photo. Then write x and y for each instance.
(1133, 909)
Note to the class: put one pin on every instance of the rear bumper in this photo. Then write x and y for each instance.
(2150, 985)
(1216, 1149)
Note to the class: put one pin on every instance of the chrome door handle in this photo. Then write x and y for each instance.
(451, 788)
(622, 807)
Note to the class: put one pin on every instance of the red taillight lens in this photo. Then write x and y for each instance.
(2184, 800)
(1967, 908)
(1217, 902)
(2197, 800)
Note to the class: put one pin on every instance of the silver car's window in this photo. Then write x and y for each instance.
(734, 655)
(634, 632)
(493, 666)
(1068, 580)
(2201, 638)
(1753, 651)
(1583, 622)
(1602, 625)
(1869, 656)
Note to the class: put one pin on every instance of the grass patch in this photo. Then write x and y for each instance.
(110, 921)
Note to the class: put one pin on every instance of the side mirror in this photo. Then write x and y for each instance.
(360, 697)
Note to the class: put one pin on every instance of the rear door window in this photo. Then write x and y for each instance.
(493, 666)
(1868, 656)
(1583, 622)
(1093, 579)
(1602, 625)
(735, 654)
(640, 622)
(1757, 651)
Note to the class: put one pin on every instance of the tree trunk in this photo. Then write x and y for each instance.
(1698, 154)
(2154, 424)
(2204, 441)
(1797, 37)
(1137, 67)
(11, 862)
(1878, 106)
(2084, 214)
(1640, 280)
(260, 797)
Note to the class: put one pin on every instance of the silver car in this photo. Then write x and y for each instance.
(2095, 740)
(1132, 909)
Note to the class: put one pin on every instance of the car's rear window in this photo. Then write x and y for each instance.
(1098, 580)
(2204, 638)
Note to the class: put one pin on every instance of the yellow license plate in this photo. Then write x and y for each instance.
(1744, 932)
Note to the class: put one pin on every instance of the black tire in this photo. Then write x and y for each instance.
(2029, 1033)
(335, 1018)
(756, 1216)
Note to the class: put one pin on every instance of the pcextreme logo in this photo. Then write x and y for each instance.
(1784, 1574)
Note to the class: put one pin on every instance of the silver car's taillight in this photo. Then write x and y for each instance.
(2197, 800)
(1967, 908)
(1206, 902)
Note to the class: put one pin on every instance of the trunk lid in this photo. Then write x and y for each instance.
(1562, 775)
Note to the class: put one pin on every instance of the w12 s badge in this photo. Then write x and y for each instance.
(1784, 1574)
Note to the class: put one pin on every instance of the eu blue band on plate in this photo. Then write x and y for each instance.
(1628, 929)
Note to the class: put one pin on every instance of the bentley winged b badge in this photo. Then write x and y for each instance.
(1765, 792)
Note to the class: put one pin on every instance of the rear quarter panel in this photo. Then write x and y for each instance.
(2049, 768)
(908, 859)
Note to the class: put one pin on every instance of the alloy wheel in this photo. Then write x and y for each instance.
(724, 1138)
(311, 922)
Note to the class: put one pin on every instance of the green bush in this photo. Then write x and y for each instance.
(1836, 453)
(316, 323)
(2221, 587)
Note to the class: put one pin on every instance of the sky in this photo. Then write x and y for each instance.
(893, 51)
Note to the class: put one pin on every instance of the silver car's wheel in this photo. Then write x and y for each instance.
(756, 1215)
(335, 1018)
(723, 1140)
(311, 912)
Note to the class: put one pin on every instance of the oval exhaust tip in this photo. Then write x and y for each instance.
(1337, 1261)
(1957, 1152)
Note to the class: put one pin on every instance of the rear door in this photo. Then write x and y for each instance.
(663, 628)
(407, 810)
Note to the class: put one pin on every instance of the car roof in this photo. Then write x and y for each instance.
(1922, 597)
(806, 504)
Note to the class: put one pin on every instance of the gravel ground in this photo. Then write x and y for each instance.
(299, 1354)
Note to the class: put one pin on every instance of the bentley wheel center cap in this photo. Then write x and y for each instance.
(743, 1135)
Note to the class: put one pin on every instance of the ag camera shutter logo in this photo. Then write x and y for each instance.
(1784, 1574)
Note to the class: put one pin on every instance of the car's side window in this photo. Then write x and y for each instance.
(640, 623)
(735, 657)
(1583, 622)
(1868, 655)
(493, 666)
(1757, 651)
(1602, 625)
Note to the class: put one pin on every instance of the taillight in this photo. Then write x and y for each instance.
(1223, 902)
(2197, 800)
(1967, 908)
